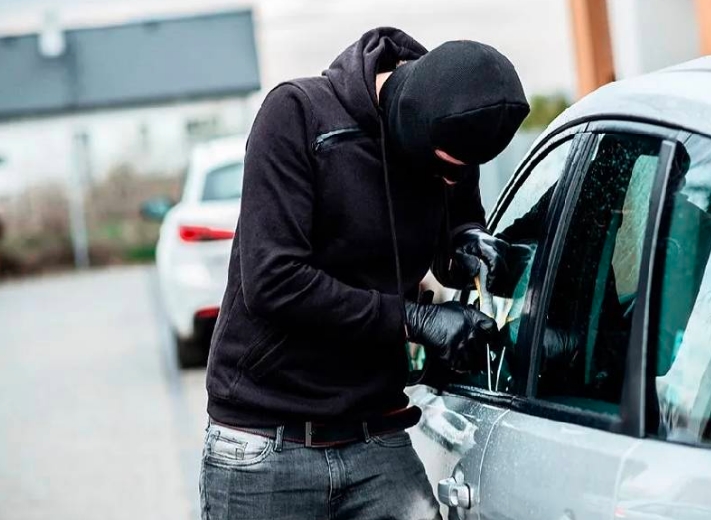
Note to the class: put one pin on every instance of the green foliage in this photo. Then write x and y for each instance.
(144, 253)
(544, 109)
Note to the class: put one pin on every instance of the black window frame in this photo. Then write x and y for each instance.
(540, 150)
(632, 418)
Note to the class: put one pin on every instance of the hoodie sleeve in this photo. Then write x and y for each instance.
(279, 280)
(465, 211)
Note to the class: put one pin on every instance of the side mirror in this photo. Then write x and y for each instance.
(156, 208)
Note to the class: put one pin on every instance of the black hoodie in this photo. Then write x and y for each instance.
(311, 326)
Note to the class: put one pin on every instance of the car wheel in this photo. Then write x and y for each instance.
(191, 352)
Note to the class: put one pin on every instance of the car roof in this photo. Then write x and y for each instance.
(678, 96)
(216, 152)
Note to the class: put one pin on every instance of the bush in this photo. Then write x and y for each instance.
(544, 109)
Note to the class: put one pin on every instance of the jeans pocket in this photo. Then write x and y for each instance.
(229, 447)
(398, 439)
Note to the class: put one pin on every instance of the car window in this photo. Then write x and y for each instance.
(682, 383)
(224, 183)
(521, 224)
(584, 344)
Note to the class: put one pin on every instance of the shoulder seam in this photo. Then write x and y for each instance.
(307, 102)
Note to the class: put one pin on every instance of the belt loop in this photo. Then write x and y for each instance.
(279, 441)
(308, 433)
(366, 433)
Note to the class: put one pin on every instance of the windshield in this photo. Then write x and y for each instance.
(224, 183)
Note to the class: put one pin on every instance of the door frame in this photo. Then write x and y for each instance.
(631, 420)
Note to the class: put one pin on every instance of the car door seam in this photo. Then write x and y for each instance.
(618, 477)
(494, 425)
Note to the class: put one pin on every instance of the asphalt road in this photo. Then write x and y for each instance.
(96, 421)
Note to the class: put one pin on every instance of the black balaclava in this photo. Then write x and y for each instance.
(462, 97)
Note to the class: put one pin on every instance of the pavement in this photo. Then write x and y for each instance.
(96, 420)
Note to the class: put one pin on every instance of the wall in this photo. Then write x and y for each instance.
(651, 34)
(152, 139)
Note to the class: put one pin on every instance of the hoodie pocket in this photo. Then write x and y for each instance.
(263, 356)
(335, 137)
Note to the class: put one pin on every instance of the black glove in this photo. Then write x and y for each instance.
(452, 331)
(473, 246)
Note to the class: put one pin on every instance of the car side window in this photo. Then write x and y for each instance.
(521, 225)
(224, 183)
(587, 327)
(680, 346)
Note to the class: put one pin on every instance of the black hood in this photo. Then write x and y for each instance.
(352, 73)
(463, 97)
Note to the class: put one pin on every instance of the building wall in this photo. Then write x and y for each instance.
(153, 140)
(651, 34)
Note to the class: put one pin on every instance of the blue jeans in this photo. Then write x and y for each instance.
(250, 477)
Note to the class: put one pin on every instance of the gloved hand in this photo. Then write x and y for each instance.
(451, 331)
(473, 246)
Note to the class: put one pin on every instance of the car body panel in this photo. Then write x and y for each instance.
(537, 469)
(193, 275)
(664, 481)
(452, 437)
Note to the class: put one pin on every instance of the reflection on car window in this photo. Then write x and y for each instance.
(520, 225)
(682, 386)
(590, 312)
(224, 183)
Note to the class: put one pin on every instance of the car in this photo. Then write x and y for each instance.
(194, 245)
(595, 401)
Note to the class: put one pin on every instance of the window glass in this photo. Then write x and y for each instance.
(224, 183)
(682, 386)
(590, 312)
(521, 225)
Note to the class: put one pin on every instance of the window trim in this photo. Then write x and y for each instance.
(523, 170)
(634, 388)
(579, 140)
(541, 290)
(630, 411)
(630, 418)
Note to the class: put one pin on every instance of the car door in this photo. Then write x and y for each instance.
(668, 475)
(452, 436)
(557, 454)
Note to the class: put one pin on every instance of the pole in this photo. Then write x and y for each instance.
(77, 214)
(593, 49)
(703, 9)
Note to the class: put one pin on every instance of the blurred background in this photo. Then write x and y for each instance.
(113, 112)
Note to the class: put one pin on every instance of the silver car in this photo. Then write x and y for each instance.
(596, 402)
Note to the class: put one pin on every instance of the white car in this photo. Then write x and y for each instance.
(193, 250)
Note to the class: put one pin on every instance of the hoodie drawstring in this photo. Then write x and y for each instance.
(391, 213)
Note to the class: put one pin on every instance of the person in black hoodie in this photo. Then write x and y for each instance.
(356, 183)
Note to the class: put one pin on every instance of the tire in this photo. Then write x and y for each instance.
(191, 352)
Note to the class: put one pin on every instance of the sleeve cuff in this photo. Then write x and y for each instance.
(392, 321)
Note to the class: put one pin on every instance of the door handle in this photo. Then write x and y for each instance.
(454, 494)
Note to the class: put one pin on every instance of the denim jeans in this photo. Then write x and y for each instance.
(250, 477)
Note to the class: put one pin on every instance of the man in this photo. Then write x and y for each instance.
(338, 225)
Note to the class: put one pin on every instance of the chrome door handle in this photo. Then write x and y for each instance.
(454, 494)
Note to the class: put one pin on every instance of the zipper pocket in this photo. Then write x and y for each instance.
(265, 363)
(325, 141)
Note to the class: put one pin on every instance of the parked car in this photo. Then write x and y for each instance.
(596, 403)
(193, 250)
